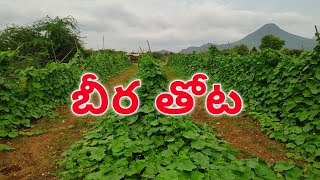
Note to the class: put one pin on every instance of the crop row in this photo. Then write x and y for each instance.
(31, 93)
(150, 145)
(281, 91)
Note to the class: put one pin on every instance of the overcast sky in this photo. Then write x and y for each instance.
(170, 25)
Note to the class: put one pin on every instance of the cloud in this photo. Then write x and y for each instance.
(166, 24)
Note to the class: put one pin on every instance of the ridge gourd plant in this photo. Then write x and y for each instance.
(31, 93)
(281, 91)
(149, 145)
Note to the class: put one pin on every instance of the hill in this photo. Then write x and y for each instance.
(254, 40)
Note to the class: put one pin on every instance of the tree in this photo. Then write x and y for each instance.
(62, 34)
(227, 52)
(213, 50)
(25, 39)
(241, 49)
(254, 50)
(292, 52)
(43, 41)
(272, 42)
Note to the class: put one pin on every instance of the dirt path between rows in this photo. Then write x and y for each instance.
(239, 131)
(34, 157)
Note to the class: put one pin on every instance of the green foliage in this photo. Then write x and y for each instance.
(272, 42)
(31, 93)
(213, 50)
(88, 52)
(292, 52)
(283, 92)
(241, 49)
(43, 41)
(157, 55)
(254, 50)
(4, 147)
(32, 133)
(63, 35)
(149, 145)
(153, 79)
(106, 64)
(28, 42)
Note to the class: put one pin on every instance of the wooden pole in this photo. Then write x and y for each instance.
(67, 55)
(141, 49)
(54, 53)
(75, 42)
(149, 46)
(19, 47)
(103, 41)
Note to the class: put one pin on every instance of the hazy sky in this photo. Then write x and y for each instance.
(170, 25)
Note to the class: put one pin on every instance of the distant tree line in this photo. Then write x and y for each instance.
(268, 41)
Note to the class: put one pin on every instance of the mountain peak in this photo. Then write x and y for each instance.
(270, 26)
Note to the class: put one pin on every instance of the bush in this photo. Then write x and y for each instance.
(43, 41)
(241, 49)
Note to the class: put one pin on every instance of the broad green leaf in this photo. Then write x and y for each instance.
(167, 153)
(201, 160)
(136, 167)
(165, 121)
(252, 163)
(308, 127)
(198, 144)
(132, 119)
(3, 133)
(294, 173)
(314, 87)
(97, 153)
(186, 165)
(150, 171)
(168, 174)
(96, 175)
(300, 140)
(306, 92)
(13, 134)
(316, 165)
(303, 115)
(265, 172)
(190, 135)
(146, 109)
(290, 145)
(196, 175)
(283, 166)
